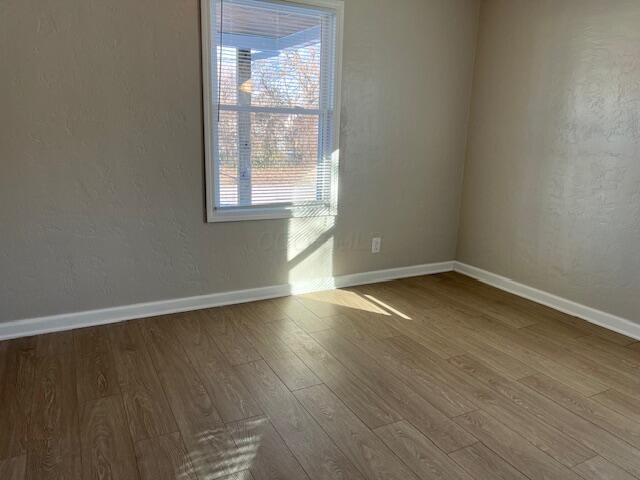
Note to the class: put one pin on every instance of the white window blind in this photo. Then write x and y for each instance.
(272, 83)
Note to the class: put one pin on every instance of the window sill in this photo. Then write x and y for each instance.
(218, 215)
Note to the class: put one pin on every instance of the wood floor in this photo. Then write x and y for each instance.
(436, 377)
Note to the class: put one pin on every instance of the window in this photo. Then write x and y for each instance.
(271, 87)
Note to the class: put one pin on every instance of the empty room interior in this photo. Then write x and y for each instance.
(320, 239)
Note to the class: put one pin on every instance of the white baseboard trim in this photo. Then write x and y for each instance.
(598, 317)
(69, 321)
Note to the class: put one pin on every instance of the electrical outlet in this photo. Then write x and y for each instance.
(376, 243)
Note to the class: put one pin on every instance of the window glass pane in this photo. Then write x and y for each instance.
(284, 158)
(228, 158)
(289, 79)
(275, 78)
(227, 69)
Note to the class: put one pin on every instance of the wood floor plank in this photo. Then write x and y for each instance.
(54, 430)
(214, 454)
(4, 347)
(513, 448)
(432, 384)
(481, 288)
(617, 351)
(473, 338)
(58, 343)
(634, 346)
(376, 325)
(610, 354)
(315, 324)
(96, 372)
(359, 444)
(599, 469)
(557, 330)
(422, 358)
(624, 404)
(584, 431)
(400, 296)
(321, 304)
(361, 399)
(305, 318)
(424, 458)
(550, 440)
(164, 458)
(289, 368)
(617, 338)
(13, 468)
(586, 327)
(267, 456)
(145, 403)
(407, 306)
(338, 302)
(610, 420)
(480, 462)
(581, 360)
(410, 296)
(262, 311)
(425, 360)
(442, 321)
(472, 302)
(429, 420)
(546, 358)
(619, 373)
(419, 329)
(210, 446)
(605, 444)
(96, 377)
(44, 461)
(225, 334)
(231, 398)
(191, 405)
(16, 396)
(311, 446)
(243, 475)
(537, 312)
(107, 449)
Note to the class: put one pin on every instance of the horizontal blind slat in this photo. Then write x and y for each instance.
(259, 109)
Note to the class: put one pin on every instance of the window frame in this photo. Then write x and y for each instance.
(210, 111)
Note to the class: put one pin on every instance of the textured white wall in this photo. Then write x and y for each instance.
(552, 179)
(101, 152)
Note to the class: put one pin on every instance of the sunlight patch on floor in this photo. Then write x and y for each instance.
(219, 455)
(344, 298)
(388, 307)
